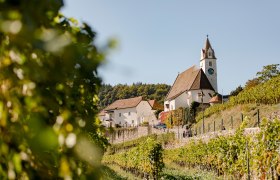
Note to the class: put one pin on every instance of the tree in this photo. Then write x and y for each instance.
(236, 91)
(108, 94)
(268, 72)
(252, 83)
(48, 94)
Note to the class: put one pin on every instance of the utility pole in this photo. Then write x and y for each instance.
(177, 115)
(203, 127)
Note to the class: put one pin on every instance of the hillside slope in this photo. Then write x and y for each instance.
(235, 113)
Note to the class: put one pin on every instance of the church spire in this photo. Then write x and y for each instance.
(207, 51)
(207, 44)
(208, 63)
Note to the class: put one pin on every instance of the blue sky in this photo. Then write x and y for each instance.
(159, 38)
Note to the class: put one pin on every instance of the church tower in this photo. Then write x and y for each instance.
(208, 63)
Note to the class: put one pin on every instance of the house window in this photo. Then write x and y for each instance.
(167, 106)
(210, 63)
(120, 114)
(132, 121)
(129, 113)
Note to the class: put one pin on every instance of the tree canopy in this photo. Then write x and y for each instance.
(268, 72)
(108, 93)
(48, 93)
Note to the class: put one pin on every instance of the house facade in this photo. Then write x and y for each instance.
(194, 84)
(129, 112)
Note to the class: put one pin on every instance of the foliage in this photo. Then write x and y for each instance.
(268, 72)
(265, 93)
(252, 83)
(175, 117)
(230, 155)
(236, 91)
(144, 159)
(108, 93)
(48, 94)
(157, 112)
(268, 148)
(223, 154)
(163, 139)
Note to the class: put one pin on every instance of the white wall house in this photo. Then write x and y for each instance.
(129, 112)
(194, 84)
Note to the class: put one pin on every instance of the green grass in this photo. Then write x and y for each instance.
(170, 172)
(174, 171)
(114, 172)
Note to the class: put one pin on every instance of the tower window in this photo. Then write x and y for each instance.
(210, 54)
(120, 114)
(210, 63)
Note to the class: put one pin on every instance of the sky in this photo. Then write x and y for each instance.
(160, 38)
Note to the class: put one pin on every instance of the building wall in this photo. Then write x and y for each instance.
(145, 113)
(132, 116)
(186, 98)
(125, 117)
(166, 106)
(182, 100)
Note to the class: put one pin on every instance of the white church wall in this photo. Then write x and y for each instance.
(195, 95)
(181, 101)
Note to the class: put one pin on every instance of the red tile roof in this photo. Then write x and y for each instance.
(124, 103)
(216, 99)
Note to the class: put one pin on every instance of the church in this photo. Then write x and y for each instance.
(195, 84)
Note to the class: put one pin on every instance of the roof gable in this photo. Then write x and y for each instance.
(155, 105)
(201, 82)
(183, 82)
(124, 103)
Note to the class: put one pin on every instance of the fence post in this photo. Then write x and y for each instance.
(241, 117)
(208, 127)
(214, 126)
(222, 124)
(258, 112)
(248, 161)
(123, 136)
(203, 124)
(231, 119)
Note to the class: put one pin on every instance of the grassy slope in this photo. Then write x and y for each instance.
(249, 110)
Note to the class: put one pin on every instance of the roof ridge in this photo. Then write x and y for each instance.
(195, 78)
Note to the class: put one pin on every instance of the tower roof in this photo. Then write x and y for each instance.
(207, 46)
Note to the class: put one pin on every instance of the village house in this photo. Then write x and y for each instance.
(194, 84)
(128, 112)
